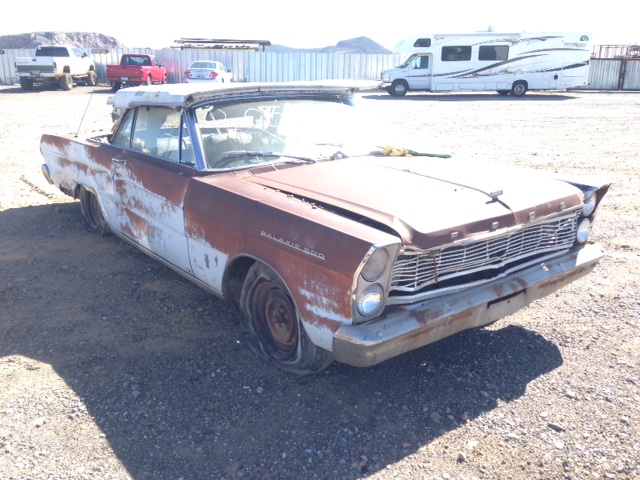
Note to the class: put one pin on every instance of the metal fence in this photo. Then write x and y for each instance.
(250, 66)
(247, 66)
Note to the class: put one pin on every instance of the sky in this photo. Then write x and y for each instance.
(324, 23)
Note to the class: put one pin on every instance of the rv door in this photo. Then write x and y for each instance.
(419, 73)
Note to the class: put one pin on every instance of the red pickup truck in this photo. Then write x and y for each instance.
(136, 69)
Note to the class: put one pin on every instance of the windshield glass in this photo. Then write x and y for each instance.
(407, 61)
(244, 134)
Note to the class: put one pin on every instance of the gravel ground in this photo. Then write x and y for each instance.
(113, 367)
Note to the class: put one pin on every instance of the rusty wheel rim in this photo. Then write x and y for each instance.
(277, 323)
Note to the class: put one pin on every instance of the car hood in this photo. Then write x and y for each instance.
(426, 201)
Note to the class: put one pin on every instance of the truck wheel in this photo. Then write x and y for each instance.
(115, 86)
(164, 79)
(519, 88)
(26, 83)
(399, 88)
(90, 208)
(92, 79)
(66, 81)
(149, 80)
(272, 326)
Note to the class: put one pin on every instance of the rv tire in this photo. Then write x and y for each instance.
(519, 88)
(399, 88)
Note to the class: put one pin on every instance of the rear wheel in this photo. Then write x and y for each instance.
(26, 83)
(518, 89)
(92, 79)
(66, 81)
(149, 80)
(272, 327)
(115, 86)
(92, 213)
(399, 88)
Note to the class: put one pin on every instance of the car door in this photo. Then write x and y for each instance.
(150, 182)
(419, 73)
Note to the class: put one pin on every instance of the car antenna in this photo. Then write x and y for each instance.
(85, 112)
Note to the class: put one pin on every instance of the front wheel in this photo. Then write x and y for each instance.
(518, 89)
(399, 88)
(272, 327)
(92, 213)
(66, 81)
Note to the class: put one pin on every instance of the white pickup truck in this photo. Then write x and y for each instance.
(57, 65)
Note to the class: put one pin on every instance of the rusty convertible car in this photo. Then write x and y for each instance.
(272, 196)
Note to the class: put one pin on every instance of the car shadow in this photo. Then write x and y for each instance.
(164, 373)
(471, 97)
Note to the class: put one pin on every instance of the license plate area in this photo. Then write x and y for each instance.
(506, 306)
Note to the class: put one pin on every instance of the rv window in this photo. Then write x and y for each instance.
(456, 54)
(500, 52)
(422, 42)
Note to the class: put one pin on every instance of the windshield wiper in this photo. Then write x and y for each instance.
(261, 154)
(249, 153)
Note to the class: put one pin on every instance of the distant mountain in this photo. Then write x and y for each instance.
(98, 40)
(76, 39)
(355, 45)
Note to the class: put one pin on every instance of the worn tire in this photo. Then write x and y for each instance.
(26, 83)
(66, 81)
(92, 212)
(519, 88)
(399, 88)
(92, 79)
(272, 327)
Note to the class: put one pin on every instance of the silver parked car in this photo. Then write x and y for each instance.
(207, 71)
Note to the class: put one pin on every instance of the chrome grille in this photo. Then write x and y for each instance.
(415, 270)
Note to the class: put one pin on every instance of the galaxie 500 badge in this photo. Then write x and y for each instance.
(289, 243)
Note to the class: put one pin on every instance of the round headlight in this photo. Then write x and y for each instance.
(589, 205)
(584, 229)
(376, 265)
(370, 300)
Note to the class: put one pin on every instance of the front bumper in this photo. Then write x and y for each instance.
(404, 328)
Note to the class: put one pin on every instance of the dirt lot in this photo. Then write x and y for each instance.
(113, 367)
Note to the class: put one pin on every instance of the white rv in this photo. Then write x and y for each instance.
(509, 63)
